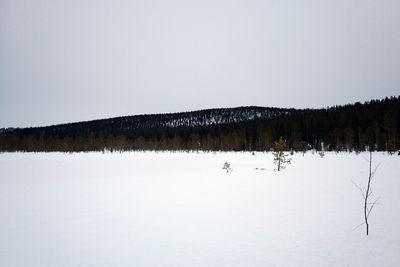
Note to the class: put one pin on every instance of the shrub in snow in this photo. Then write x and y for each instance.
(227, 167)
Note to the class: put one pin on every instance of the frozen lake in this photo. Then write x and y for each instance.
(182, 209)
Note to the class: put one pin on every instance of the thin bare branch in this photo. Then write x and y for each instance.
(359, 188)
(377, 166)
(374, 172)
(365, 158)
(358, 226)
(372, 206)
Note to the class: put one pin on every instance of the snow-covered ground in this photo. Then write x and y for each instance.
(182, 209)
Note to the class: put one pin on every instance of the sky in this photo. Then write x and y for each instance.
(78, 60)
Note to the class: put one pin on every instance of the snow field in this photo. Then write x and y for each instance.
(183, 209)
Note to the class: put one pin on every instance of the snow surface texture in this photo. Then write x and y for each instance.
(183, 209)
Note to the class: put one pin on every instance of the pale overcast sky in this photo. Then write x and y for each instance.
(74, 60)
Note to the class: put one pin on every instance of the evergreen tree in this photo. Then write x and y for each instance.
(280, 157)
(302, 146)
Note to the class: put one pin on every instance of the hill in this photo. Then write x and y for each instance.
(373, 124)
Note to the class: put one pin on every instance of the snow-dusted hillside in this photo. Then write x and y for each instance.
(182, 209)
(201, 117)
(197, 118)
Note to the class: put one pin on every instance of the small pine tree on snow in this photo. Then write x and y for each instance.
(280, 157)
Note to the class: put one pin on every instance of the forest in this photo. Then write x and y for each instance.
(373, 125)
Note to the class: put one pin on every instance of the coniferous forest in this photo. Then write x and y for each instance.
(371, 125)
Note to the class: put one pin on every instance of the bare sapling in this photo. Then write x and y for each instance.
(366, 193)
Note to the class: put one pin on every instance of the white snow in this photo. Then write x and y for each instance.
(183, 209)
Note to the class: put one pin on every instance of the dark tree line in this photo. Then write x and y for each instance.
(356, 127)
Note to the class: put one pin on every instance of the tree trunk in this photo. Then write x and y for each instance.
(279, 162)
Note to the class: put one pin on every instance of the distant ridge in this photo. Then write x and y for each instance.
(204, 117)
(373, 125)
